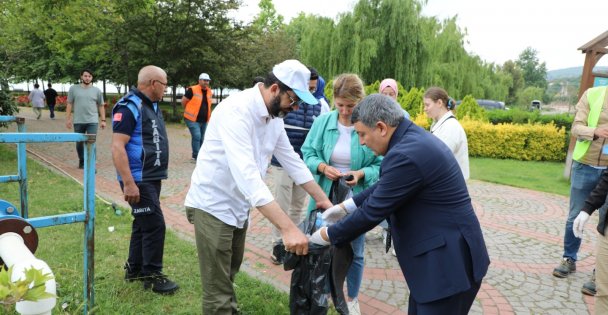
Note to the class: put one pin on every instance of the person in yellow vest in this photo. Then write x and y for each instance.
(197, 110)
(589, 160)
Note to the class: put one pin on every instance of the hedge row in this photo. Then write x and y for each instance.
(533, 142)
(530, 142)
(518, 116)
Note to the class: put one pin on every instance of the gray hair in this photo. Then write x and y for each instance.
(378, 107)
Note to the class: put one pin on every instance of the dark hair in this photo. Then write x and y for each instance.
(314, 75)
(36, 85)
(436, 93)
(49, 85)
(377, 107)
(258, 79)
(272, 79)
(86, 70)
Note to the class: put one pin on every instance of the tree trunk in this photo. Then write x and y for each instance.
(174, 101)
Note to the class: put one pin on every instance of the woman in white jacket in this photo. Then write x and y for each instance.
(438, 106)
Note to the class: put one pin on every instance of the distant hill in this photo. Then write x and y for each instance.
(573, 72)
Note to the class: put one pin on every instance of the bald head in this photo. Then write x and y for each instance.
(149, 73)
(152, 82)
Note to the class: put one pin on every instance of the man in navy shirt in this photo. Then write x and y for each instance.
(140, 151)
(422, 192)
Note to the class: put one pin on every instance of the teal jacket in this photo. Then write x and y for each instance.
(319, 145)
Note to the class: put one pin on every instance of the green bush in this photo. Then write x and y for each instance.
(8, 107)
(519, 116)
(533, 142)
(470, 108)
(412, 101)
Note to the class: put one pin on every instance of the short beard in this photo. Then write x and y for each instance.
(86, 83)
(275, 108)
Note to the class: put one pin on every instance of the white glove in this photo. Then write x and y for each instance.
(333, 214)
(316, 238)
(579, 224)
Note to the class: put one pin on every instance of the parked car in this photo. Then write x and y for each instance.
(535, 105)
(488, 104)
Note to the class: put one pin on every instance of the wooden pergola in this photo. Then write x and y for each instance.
(594, 50)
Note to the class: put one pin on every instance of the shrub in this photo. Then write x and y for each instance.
(534, 142)
(412, 101)
(7, 105)
(519, 116)
(470, 108)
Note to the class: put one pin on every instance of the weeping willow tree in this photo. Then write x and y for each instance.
(390, 38)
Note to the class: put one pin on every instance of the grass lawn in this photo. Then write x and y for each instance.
(540, 176)
(62, 248)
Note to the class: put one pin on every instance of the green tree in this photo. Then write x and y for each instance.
(267, 21)
(534, 72)
(527, 95)
(516, 80)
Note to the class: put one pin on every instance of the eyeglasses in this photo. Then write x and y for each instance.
(162, 83)
(294, 102)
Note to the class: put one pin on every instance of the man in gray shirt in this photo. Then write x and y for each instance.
(87, 103)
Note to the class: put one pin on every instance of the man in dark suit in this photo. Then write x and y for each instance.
(421, 190)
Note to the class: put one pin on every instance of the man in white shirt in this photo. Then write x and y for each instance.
(243, 133)
(37, 98)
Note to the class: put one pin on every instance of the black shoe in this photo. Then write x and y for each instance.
(589, 286)
(566, 267)
(81, 164)
(159, 283)
(132, 274)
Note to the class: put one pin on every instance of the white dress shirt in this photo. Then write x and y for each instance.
(240, 139)
(452, 134)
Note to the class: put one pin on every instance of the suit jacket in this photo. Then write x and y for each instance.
(436, 233)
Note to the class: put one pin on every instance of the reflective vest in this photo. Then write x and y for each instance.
(194, 105)
(595, 99)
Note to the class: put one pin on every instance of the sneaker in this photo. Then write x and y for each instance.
(81, 164)
(132, 274)
(566, 267)
(589, 286)
(353, 307)
(159, 283)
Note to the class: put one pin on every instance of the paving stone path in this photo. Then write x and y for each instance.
(523, 230)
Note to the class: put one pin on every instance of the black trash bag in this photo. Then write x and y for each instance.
(342, 257)
(310, 279)
(339, 190)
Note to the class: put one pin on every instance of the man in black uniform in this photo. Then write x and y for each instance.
(140, 151)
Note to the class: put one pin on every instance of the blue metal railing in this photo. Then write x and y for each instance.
(21, 138)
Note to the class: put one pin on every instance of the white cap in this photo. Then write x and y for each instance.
(296, 76)
(204, 76)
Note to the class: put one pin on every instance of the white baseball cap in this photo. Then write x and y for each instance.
(296, 76)
(204, 76)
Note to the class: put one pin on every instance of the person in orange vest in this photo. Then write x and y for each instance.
(197, 110)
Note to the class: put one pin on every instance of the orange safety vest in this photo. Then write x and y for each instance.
(194, 105)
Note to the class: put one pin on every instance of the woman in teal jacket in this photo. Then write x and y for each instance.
(332, 150)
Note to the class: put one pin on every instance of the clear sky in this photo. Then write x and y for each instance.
(497, 30)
